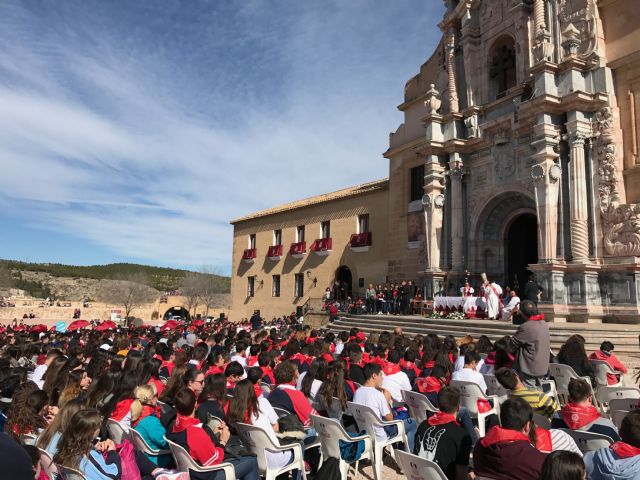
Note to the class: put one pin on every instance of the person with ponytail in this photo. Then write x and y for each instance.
(309, 382)
(49, 438)
(145, 419)
(334, 387)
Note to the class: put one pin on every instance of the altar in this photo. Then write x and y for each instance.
(471, 306)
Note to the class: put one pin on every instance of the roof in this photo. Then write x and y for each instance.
(354, 191)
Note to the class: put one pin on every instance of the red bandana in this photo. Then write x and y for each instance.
(252, 360)
(501, 435)
(624, 450)
(391, 368)
(405, 365)
(576, 416)
(146, 411)
(428, 384)
(536, 317)
(122, 408)
(543, 440)
(440, 418)
(183, 422)
(213, 370)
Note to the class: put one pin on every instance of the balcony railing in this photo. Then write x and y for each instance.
(321, 246)
(298, 249)
(360, 240)
(249, 255)
(275, 252)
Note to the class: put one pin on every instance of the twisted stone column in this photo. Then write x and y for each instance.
(578, 196)
(451, 72)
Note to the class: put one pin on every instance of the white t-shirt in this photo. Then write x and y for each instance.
(315, 386)
(468, 375)
(265, 420)
(240, 359)
(38, 373)
(459, 364)
(374, 399)
(395, 383)
(339, 348)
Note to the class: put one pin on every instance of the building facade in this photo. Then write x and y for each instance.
(519, 153)
(286, 255)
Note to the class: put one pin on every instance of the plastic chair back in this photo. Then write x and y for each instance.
(330, 433)
(116, 431)
(611, 394)
(47, 465)
(587, 441)
(493, 385)
(141, 445)
(617, 416)
(69, 473)
(603, 368)
(186, 463)
(541, 421)
(418, 405)
(417, 468)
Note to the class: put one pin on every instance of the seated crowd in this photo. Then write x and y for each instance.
(199, 387)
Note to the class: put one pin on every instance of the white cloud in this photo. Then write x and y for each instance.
(113, 149)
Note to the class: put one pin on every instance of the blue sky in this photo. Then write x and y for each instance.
(135, 130)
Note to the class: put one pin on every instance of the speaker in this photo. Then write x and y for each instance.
(299, 311)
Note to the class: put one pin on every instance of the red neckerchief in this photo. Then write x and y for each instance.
(428, 384)
(576, 416)
(351, 384)
(624, 450)
(267, 372)
(122, 408)
(258, 389)
(430, 364)
(183, 422)
(169, 366)
(534, 318)
(406, 365)
(213, 370)
(158, 357)
(298, 356)
(252, 360)
(366, 358)
(146, 411)
(379, 361)
(543, 440)
(332, 347)
(501, 435)
(391, 368)
(310, 340)
(327, 356)
(441, 418)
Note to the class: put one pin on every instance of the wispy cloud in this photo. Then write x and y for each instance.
(144, 127)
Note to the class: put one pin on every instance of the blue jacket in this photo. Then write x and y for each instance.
(153, 433)
(604, 464)
(95, 467)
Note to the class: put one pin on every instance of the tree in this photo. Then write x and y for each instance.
(6, 280)
(129, 291)
(192, 288)
(213, 285)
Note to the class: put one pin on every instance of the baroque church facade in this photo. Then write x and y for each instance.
(518, 153)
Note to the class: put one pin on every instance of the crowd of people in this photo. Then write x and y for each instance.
(196, 386)
(391, 299)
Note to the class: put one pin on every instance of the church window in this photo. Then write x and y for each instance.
(416, 183)
(502, 67)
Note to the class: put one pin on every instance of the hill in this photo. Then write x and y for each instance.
(39, 278)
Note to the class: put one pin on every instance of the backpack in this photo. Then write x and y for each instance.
(330, 470)
(351, 451)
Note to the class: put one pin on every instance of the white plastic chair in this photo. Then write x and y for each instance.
(617, 416)
(47, 464)
(418, 468)
(541, 421)
(330, 432)
(628, 404)
(587, 441)
(562, 375)
(470, 392)
(69, 473)
(117, 432)
(186, 463)
(605, 395)
(281, 412)
(493, 385)
(367, 419)
(141, 445)
(418, 405)
(603, 368)
(258, 442)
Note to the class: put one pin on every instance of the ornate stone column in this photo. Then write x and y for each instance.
(457, 212)
(433, 203)
(546, 176)
(451, 71)
(543, 49)
(578, 196)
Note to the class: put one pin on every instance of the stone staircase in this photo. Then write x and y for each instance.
(624, 337)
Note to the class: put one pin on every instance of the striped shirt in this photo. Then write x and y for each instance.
(539, 401)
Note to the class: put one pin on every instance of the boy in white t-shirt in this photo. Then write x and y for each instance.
(469, 372)
(372, 395)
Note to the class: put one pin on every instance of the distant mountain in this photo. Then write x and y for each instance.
(159, 278)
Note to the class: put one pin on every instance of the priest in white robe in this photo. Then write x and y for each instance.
(492, 292)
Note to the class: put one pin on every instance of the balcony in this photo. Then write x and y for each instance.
(298, 250)
(360, 242)
(274, 252)
(249, 255)
(322, 246)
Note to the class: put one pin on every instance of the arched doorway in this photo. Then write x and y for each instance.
(177, 311)
(521, 249)
(343, 285)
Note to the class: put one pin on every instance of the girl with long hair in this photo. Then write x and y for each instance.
(28, 416)
(572, 353)
(213, 399)
(245, 407)
(101, 392)
(312, 379)
(332, 397)
(174, 385)
(54, 378)
(48, 440)
(77, 384)
(149, 373)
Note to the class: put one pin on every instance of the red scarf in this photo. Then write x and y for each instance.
(298, 356)
(441, 418)
(252, 360)
(183, 422)
(428, 384)
(122, 408)
(576, 416)
(352, 385)
(543, 440)
(501, 435)
(391, 368)
(535, 318)
(213, 370)
(406, 365)
(624, 450)
(327, 356)
(258, 389)
(267, 372)
(146, 411)
(169, 366)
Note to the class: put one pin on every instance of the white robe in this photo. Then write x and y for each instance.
(508, 308)
(492, 300)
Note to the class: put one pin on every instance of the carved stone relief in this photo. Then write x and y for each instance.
(582, 15)
(503, 158)
(621, 222)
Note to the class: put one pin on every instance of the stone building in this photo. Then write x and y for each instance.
(519, 152)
